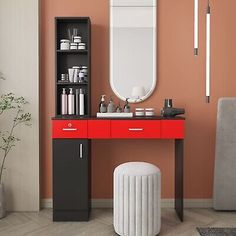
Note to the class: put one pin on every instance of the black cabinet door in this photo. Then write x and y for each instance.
(70, 174)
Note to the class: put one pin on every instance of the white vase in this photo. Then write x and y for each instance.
(2, 202)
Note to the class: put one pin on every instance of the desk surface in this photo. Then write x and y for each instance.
(73, 117)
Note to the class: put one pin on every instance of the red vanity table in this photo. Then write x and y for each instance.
(71, 157)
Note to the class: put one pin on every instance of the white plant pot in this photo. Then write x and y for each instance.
(2, 202)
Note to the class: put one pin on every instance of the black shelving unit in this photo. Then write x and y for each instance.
(71, 156)
(68, 58)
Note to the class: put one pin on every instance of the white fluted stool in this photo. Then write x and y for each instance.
(137, 194)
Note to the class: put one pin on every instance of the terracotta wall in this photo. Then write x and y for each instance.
(180, 76)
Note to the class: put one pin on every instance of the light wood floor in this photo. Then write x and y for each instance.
(40, 224)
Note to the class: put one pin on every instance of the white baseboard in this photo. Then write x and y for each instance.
(165, 203)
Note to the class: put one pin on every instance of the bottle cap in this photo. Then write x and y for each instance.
(103, 97)
(64, 41)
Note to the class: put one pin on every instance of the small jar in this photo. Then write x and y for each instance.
(76, 67)
(82, 46)
(73, 46)
(81, 77)
(65, 44)
(84, 69)
(77, 39)
(64, 77)
(149, 112)
(139, 111)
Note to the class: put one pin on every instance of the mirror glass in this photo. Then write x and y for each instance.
(133, 49)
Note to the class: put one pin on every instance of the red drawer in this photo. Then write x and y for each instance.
(69, 129)
(99, 129)
(172, 129)
(135, 129)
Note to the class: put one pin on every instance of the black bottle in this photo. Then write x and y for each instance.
(126, 106)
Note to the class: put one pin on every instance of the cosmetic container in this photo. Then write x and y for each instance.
(81, 77)
(102, 105)
(64, 102)
(77, 102)
(82, 46)
(64, 77)
(84, 69)
(77, 39)
(126, 106)
(111, 106)
(81, 101)
(139, 111)
(71, 103)
(65, 44)
(73, 46)
(149, 112)
(118, 109)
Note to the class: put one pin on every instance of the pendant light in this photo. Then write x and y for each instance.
(208, 52)
(196, 27)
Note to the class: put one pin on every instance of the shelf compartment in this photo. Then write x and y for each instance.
(68, 58)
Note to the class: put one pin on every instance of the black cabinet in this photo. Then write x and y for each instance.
(71, 157)
(71, 183)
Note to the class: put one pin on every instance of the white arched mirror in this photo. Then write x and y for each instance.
(133, 48)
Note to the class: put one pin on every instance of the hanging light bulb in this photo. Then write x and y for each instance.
(195, 27)
(208, 52)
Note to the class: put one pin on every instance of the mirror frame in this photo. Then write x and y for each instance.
(154, 55)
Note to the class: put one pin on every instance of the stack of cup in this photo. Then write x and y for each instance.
(78, 74)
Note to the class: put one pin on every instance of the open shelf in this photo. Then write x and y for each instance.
(72, 51)
(69, 83)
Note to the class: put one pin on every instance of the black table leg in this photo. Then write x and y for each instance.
(179, 168)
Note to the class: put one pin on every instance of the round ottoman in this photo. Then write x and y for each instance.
(137, 205)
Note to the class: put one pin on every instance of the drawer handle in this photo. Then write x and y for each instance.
(135, 129)
(69, 129)
(81, 150)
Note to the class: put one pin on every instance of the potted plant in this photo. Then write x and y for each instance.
(10, 102)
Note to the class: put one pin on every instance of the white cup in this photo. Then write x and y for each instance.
(71, 73)
(76, 72)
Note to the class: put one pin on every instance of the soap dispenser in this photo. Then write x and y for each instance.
(71, 103)
(119, 109)
(111, 106)
(81, 101)
(126, 106)
(102, 105)
(64, 102)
